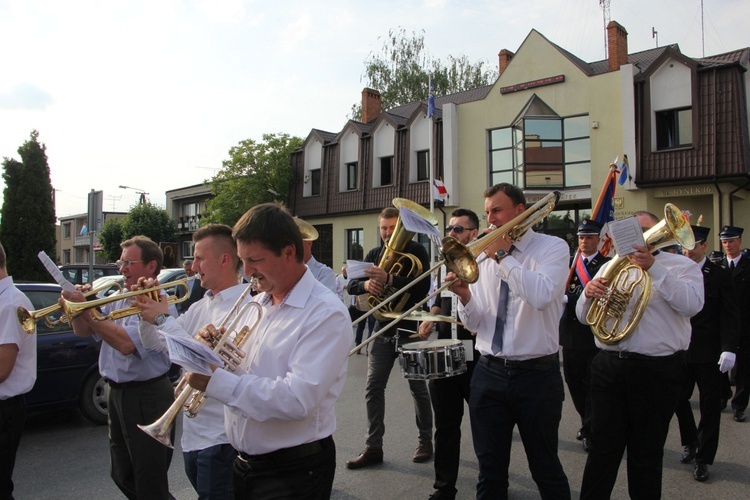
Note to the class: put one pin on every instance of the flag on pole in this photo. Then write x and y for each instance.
(431, 100)
(84, 230)
(624, 170)
(441, 193)
(604, 211)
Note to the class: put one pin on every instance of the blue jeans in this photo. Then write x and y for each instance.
(210, 471)
(502, 398)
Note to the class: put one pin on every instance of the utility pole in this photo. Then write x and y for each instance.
(604, 4)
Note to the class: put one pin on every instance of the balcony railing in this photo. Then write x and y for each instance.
(188, 223)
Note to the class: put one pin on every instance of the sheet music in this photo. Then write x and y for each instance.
(625, 233)
(55, 272)
(355, 269)
(416, 224)
(190, 354)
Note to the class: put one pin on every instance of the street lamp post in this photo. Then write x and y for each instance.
(139, 191)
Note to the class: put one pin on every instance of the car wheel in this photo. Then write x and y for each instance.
(94, 399)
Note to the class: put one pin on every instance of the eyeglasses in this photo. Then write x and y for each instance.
(458, 229)
(122, 263)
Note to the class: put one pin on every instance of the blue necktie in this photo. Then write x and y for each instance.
(502, 312)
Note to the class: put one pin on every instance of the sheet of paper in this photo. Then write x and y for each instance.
(417, 224)
(190, 354)
(625, 233)
(54, 271)
(355, 269)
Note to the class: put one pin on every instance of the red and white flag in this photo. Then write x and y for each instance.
(441, 194)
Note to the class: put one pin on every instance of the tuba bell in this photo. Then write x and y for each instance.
(629, 283)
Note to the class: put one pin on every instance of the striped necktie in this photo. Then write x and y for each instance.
(502, 312)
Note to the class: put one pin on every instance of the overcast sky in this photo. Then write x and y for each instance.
(152, 93)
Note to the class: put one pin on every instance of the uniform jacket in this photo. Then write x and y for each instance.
(741, 277)
(573, 333)
(716, 328)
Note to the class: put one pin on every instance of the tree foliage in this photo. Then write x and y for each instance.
(401, 69)
(110, 238)
(254, 172)
(144, 219)
(28, 212)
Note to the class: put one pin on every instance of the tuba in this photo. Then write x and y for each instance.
(394, 261)
(629, 283)
(229, 348)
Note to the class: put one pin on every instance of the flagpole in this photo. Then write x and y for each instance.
(430, 121)
(597, 206)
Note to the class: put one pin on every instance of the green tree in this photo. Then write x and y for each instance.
(28, 213)
(254, 172)
(149, 220)
(110, 239)
(400, 72)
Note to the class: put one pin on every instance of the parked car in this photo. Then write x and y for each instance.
(165, 276)
(78, 274)
(67, 365)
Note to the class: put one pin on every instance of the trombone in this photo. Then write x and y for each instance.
(462, 259)
(72, 309)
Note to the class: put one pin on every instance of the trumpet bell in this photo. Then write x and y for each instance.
(459, 260)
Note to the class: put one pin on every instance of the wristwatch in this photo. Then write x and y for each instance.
(500, 255)
(160, 319)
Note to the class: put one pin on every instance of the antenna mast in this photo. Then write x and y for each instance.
(604, 4)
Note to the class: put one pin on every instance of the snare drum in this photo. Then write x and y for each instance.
(431, 359)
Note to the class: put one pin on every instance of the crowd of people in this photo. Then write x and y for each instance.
(266, 428)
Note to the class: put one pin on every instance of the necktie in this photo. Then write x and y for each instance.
(502, 312)
(585, 261)
(731, 265)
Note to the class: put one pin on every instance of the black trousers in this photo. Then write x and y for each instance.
(742, 378)
(448, 396)
(308, 478)
(577, 371)
(632, 402)
(706, 436)
(12, 418)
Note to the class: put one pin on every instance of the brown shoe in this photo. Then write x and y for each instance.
(371, 456)
(423, 452)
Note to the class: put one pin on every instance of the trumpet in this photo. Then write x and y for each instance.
(462, 260)
(191, 400)
(28, 318)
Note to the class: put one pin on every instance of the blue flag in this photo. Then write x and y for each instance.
(431, 101)
(624, 174)
(606, 210)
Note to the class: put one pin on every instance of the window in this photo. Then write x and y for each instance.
(386, 171)
(354, 244)
(314, 182)
(423, 165)
(190, 209)
(674, 128)
(351, 176)
(66, 257)
(66, 231)
(187, 249)
(541, 150)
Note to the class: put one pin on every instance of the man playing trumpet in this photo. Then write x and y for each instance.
(139, 390)
(207, 454)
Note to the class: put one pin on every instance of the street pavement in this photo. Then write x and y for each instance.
(62, 456)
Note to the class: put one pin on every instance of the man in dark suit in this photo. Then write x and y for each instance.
(715, 333)
(731, 240)
(196, 290)
(576, 339)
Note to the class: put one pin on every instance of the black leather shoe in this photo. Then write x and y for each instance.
(586, 445)
(371, 456)
(700, 473)
(579, 435)
(423, 452)
(688, 454)
(739, 415)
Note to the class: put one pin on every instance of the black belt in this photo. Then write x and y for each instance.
(541, 363)
(134, 383)
(287, 454)
(637, 355)
(11, 400)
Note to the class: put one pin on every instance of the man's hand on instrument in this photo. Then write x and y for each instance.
(373, 287)
(642, 257)
(458, 287)
(198, 381)
(378, 274)
(425, 329)
(596, 288)
(208, 334)
(151, 308)
(503, 243)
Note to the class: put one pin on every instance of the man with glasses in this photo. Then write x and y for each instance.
(139, 391)
(714, 337)
(448, 394)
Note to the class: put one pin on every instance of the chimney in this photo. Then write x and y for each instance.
(371, 102)
(617, 45)
(504, 56)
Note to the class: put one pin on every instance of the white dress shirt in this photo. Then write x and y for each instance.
(677, 293)
(536, 272)
(207, 427)
(322, 273)
(23, 375)
(284, 393)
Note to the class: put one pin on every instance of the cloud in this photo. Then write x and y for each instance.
(25, 96)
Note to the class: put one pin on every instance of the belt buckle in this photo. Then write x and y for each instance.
(243, 459)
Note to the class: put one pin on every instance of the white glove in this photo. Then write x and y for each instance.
(726, 361)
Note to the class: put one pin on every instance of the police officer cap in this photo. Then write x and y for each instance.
(701, 233)
(715, 256)
(729, 232)
(590, 227)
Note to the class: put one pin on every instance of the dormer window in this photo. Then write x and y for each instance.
(674, 128)
(423, 165)
(351, 176)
